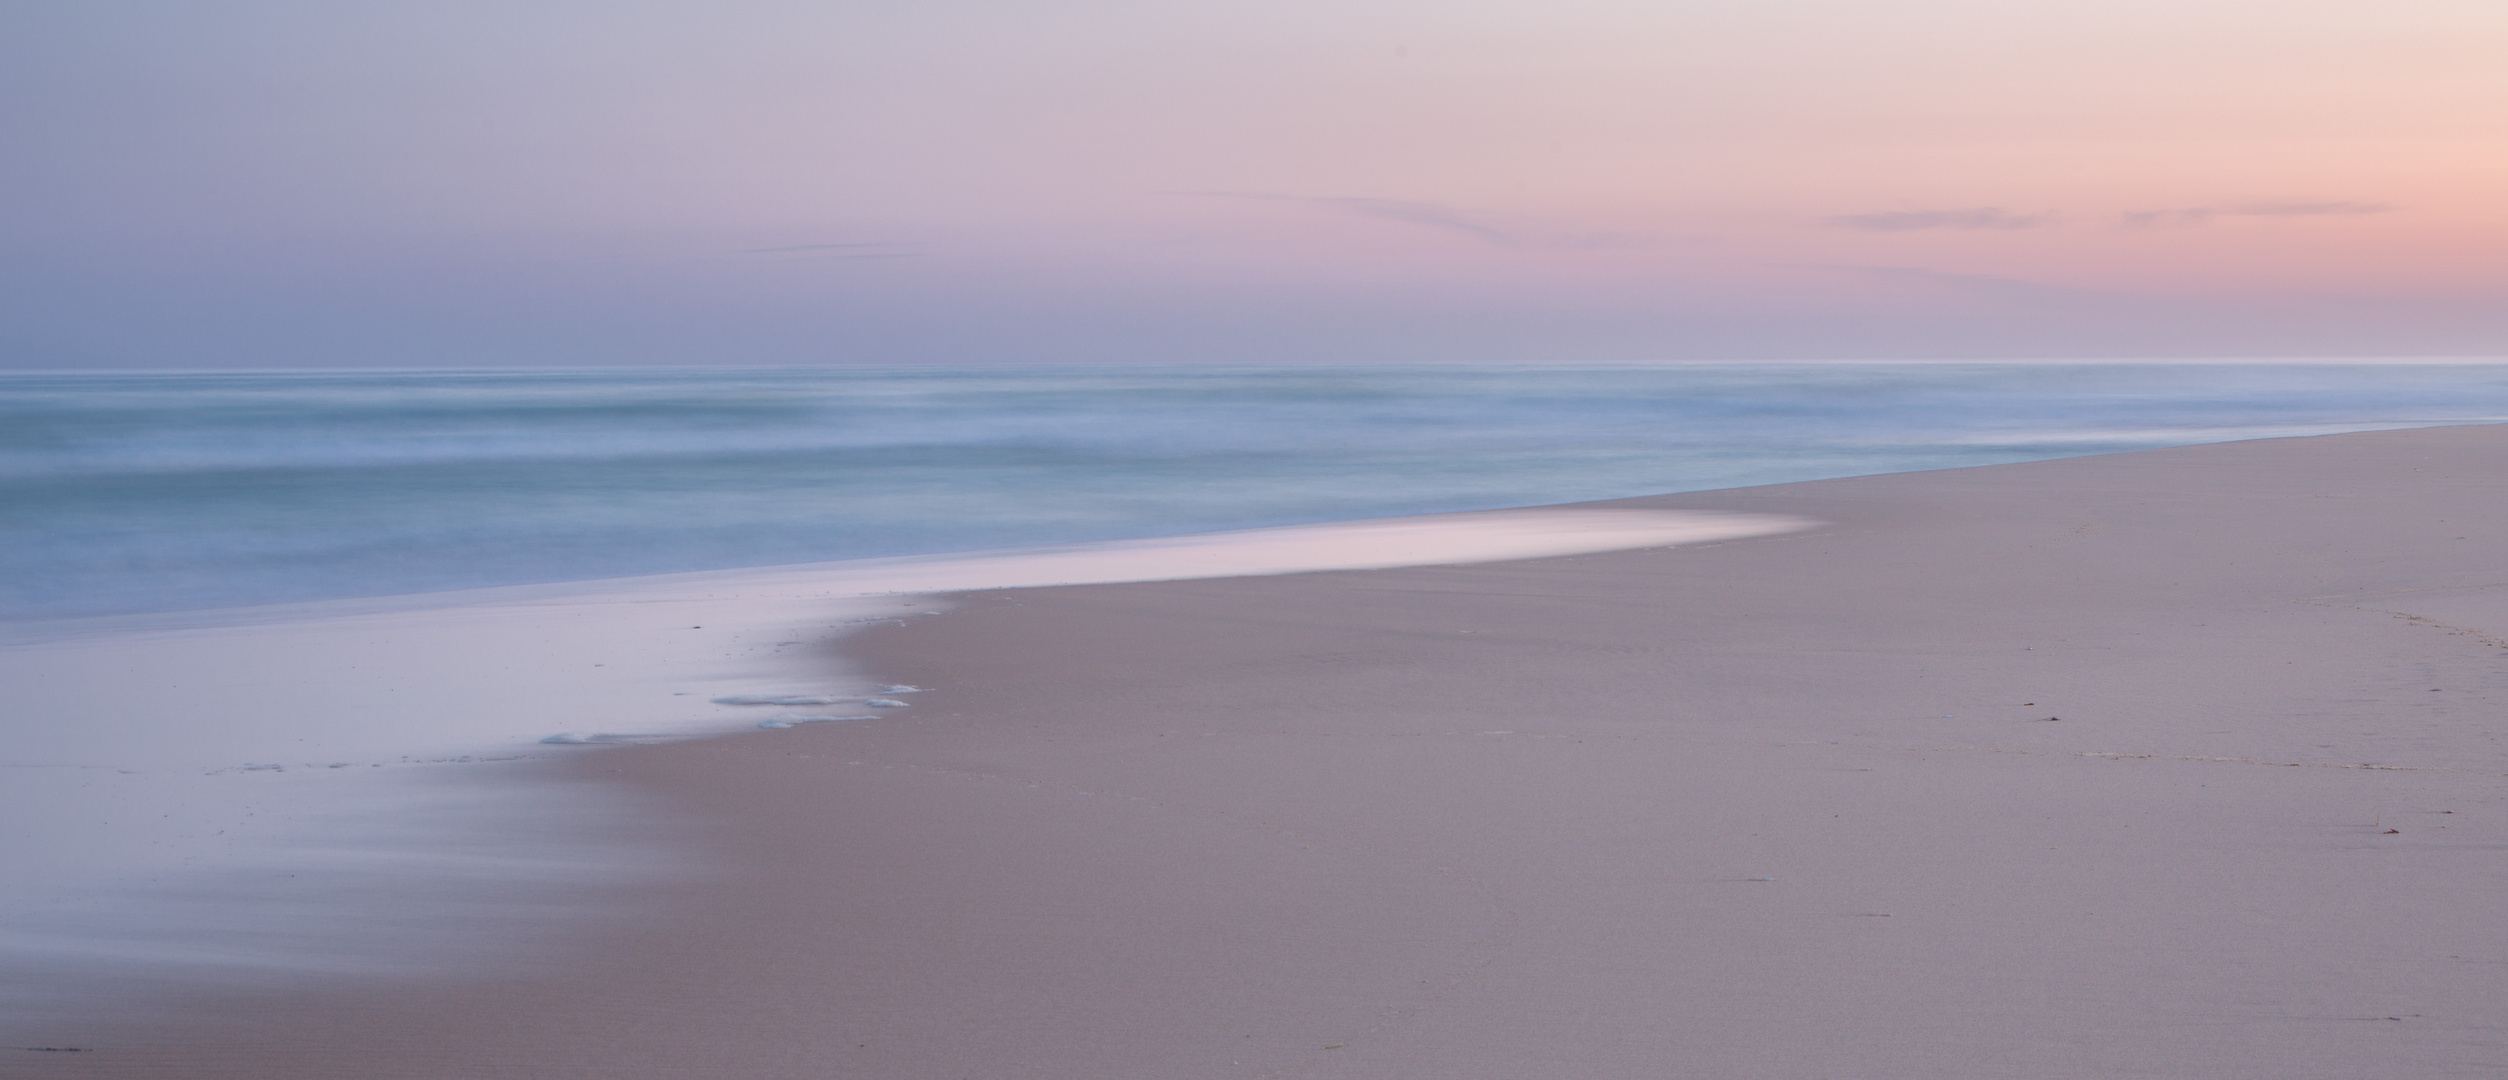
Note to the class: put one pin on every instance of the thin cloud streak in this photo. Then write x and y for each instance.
(2188, 217)
(1995, 218)
(1444, 218)
(1982, 217)
(1421, 213)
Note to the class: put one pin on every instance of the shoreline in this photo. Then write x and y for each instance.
(231, 796)
(2075, 766)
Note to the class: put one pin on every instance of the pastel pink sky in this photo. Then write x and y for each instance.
(1115, 180)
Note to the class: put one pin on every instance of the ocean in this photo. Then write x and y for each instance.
(145, 492)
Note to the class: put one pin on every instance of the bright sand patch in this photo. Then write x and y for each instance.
(2183, 763)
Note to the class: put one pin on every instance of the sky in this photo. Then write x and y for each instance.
(271, 183)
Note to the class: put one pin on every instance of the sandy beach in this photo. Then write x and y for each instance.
(2178, 763)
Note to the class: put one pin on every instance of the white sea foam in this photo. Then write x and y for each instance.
(788, 720)
(778, 699)
(885, 703)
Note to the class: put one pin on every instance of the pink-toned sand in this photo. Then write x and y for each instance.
(2185, 763)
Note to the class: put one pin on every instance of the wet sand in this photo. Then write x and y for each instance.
(2177, 763)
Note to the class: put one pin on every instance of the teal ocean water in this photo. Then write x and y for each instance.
(157, 492)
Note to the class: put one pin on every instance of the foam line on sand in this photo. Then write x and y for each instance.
(161, 765)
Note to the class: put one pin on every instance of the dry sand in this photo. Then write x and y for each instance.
(2182, 763)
